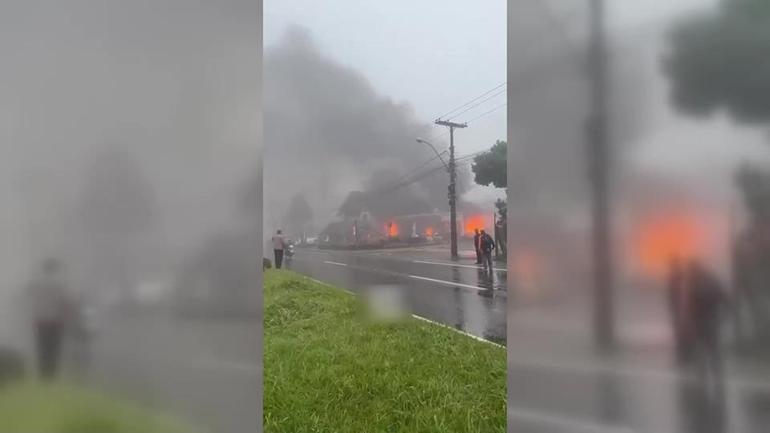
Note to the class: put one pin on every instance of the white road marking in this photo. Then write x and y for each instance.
(448, 283)
(456, 265)
(568, 424)
(475, 337)
(330, 286)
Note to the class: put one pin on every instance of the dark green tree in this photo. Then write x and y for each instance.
(754, 183)
(490, 168)
(718, 60)
(117, 198)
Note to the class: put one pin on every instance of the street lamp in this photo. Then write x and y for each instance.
(452, 195)
(420, 140)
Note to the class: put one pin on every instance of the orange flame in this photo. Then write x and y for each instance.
(392, 229)
(664, 237)
(429, 231)
(474, 222)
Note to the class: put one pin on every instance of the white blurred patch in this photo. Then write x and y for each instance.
(151, 291)
(386, 303)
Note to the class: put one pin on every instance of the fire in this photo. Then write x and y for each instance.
(429, 231)
(392, 229)
(663, 237)
(474, 222)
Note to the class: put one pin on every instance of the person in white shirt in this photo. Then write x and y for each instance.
(279, 244)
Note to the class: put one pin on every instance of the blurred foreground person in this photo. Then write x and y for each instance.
(50, 310)
(477, 245)
(678, 306)
(706, 304)
(279, 244)
(487, 244)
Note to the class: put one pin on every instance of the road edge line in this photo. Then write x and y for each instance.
(329, 285)
(475, 337)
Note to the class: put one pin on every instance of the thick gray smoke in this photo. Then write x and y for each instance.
(328, 132)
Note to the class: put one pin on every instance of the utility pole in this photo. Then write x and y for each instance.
(599, 171)
(452, 183)
(495, 231)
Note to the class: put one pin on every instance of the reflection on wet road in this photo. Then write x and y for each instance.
(460, 295)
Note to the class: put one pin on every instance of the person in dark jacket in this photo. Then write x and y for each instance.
(677, 300)
(50, 308)
(707, 302)
(487, 245)
(477, 245)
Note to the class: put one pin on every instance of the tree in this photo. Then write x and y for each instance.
(754, 183)
(354, 204)
(719, 60)
(751, 252)
(501, 225)
(299, 215)
(119, 209)
(117, 199)
(491, 167)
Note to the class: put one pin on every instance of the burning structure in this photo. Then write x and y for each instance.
(365, 224)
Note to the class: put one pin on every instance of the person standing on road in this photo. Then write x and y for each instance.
(487, 244)
(477, 246)
(707, 302)
(279, 245)
(50, 308)
(677, 300)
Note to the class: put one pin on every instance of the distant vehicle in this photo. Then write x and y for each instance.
(417, 239)
(311, 241)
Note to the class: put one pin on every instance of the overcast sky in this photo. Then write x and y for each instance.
(438, 54)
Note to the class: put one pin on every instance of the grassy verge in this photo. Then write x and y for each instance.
(67, 409)
(327, 371)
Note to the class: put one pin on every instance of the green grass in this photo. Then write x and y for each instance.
(328, 371)
(37, 408)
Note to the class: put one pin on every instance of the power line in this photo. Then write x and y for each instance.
(420, 166)
(420, 176)
(477, 104)
(474, 99)
(487, 113)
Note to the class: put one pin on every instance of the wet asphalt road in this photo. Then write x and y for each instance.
(457, 294)
(557, 382)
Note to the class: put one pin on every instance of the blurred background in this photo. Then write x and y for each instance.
(130, 184)
(638, 172)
